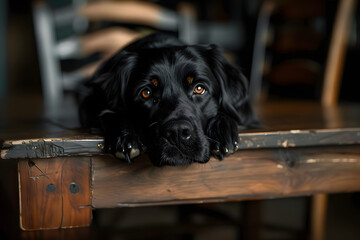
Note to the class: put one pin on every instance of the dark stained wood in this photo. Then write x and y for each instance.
(39, 209)
(58, 234)
(248, 174)
(51, 147)
(301, 149)
(299, 138)
(284, 124)
(305, 115)
(57, 147)
(45, 198)
(76, 203)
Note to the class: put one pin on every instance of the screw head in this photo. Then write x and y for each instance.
(74, 188)
(51, 188)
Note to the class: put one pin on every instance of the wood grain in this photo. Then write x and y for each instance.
(45, 199)
(248, 174)
(58, 147)
(272, 162)
(51, 147)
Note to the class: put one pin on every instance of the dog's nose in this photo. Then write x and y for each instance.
(178, 131)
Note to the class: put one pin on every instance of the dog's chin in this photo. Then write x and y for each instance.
(170, 155)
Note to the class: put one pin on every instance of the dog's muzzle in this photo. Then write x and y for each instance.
(178, 132)
(180, 142)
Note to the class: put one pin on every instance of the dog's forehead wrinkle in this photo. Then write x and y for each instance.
(172, 60)
(181, 110)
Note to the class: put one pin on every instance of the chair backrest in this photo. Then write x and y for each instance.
(315, 64)
(3, 74)
(52, 49)
(57, 31)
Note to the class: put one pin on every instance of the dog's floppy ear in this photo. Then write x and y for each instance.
(234, 100)
(105, 90)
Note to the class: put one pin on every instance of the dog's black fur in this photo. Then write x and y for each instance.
(184, 103)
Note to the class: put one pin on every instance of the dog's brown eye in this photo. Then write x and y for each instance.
(199, 89)
(146, 93)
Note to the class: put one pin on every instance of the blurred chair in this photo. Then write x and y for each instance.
(3, 52)
(51, 50)
(67, 32)
(56, 44)
(291, 37)
(292, 47)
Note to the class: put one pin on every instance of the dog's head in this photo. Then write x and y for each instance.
(171, 95)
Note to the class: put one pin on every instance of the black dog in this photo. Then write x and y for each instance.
(184, 103)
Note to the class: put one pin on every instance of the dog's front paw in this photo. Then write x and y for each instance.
(223, 136)
(126, 146)
(120, 138)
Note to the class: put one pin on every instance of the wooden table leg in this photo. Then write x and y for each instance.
(54, 193)
(252, 220)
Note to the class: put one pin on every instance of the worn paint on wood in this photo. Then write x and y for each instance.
(46, 201)
(299, 138)
(248, 174)
(58, 147)
(50, 148)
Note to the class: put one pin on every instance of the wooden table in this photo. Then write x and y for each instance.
(302, 149)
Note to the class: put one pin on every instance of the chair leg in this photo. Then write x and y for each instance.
(337, 51)
(318, 216)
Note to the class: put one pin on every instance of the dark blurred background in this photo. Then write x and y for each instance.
(288, 56)
(282, 44)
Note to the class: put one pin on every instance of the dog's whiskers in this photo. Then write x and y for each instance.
(212, 140)
(152, 124)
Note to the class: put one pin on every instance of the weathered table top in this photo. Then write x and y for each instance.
(285, 124)
(301, 149)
